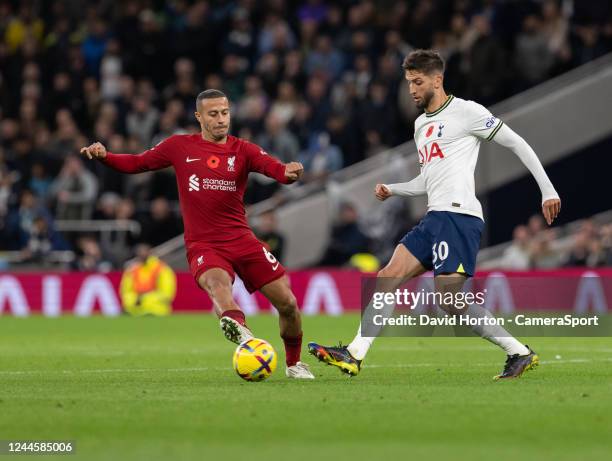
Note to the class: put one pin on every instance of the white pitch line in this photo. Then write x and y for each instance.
(192, 369)
(111, 370)
(442, 365)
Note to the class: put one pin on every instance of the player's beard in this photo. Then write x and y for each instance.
(425, 100)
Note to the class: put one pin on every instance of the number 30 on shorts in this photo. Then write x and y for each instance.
(441, 252)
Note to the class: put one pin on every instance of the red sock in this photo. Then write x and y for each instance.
(236, 315)
(293, 348)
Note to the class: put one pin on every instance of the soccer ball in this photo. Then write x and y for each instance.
(254, 360)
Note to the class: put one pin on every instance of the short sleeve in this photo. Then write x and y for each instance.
(480, 122)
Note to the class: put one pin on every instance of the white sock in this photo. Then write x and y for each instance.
(360, 345)
(496, 333)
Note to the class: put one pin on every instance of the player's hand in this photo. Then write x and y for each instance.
(550, 209)
(96, 150)
(294, 171)
(382, 192)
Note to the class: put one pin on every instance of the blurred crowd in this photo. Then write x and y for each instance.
(534, 246)
(314, 81)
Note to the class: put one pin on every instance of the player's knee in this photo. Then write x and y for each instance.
(287, 304)
(390, 272)
(216, 286)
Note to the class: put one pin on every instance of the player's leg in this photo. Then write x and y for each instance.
(520, 357)
(455, 248)
(217, 282)
(403, 266)
(282, 298)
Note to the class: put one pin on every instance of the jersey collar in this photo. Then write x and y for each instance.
(444, 106)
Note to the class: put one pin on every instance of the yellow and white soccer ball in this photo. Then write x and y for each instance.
(254, 360)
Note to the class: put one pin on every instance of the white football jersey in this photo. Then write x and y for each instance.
(448, 141)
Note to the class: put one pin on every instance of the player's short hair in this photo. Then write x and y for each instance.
(424, 61)
(211, 93)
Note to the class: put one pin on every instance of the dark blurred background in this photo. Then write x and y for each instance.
(314, 81)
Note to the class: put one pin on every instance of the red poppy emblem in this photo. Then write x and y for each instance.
(213, 161)
(429, 131)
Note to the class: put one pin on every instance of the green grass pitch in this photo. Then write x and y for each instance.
(163, 389)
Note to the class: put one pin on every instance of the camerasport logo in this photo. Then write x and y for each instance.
(195, 184)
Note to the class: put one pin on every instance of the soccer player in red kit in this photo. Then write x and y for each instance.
(212, 168)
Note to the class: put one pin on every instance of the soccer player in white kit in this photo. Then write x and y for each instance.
(448, 136)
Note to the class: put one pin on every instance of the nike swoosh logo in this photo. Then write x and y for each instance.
(192, 159)
(275, 266)
(438, 266)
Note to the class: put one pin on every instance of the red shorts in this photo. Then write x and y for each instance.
(246, 256)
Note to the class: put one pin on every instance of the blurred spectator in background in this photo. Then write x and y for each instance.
(285, 105)
(142, 120)
(517, 255)
(41, 241)
(536, 224)
(488, 71)
(324, 59)
(106, 207)
(267, 232)
(161, 224)
(148, 285)
(90, 257)
(31, 220)
(277, 141)
(586, 249)
(74, 190)
(543, 255)
(555, 27)
(320, 159)
(7, 199)
(117, 244)
(40, 182)
(606, 243)
(533, 55)
(346, 239)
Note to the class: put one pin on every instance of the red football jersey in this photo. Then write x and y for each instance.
(211, 181)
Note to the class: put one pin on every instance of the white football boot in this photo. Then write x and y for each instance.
(299, 371)
(235, 332)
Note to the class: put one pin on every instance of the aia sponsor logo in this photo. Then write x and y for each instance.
(427, 155)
